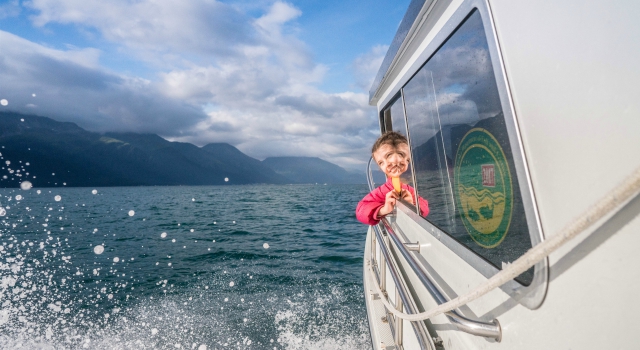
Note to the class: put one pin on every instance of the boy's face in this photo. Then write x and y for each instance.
(393, 161)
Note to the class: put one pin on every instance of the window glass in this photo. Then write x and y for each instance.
(394, 120)
(461, 152)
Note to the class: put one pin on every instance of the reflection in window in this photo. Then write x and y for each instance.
(461, 152)
(394, 120)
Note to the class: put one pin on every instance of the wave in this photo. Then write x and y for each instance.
(495, 197)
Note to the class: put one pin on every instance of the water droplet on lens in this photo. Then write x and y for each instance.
(132, 213)
(2, 212)
(231, 284)
(226, 179)
(116, 259)
(99, 249)
(4, 102)
(94, 192)
(163, 235)
(26, 185)
(18, 197)
(57, 198)
(265, 246)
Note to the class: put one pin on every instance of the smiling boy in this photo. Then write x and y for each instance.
(391, 153)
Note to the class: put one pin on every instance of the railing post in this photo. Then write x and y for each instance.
(398, 321)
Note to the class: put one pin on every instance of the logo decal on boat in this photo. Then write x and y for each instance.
(483, 188)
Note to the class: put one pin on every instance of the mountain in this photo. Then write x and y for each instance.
(312, 170)
(58, 153)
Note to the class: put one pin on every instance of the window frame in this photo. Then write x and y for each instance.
(532, 295)
(399, 97)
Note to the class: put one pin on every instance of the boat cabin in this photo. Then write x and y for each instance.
(520, 116)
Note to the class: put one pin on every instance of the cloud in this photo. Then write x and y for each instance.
(221, 76)
(70, 86)
(203, 27)
(365, 67)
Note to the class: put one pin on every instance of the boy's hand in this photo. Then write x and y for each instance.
(406, 195)
(389, 204)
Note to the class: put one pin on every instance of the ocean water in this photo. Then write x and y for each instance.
(216, 267)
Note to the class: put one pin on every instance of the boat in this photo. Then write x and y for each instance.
(523, 121)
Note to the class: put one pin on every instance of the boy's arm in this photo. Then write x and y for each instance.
(367, 211)
(368, 208)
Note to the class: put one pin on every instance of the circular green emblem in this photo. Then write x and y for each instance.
(483, 190)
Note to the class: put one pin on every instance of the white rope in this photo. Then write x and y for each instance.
(606, 205)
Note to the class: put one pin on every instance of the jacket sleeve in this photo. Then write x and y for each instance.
(424, 207)
(368, 208)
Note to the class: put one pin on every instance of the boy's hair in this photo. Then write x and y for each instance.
(391, 138)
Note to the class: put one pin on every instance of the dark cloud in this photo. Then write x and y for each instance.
(53, 72)
(68, 87)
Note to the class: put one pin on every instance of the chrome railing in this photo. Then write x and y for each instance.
(479, 328)
(403, 300)
(484, 329)
(370, 175)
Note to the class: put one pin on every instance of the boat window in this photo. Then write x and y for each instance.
(461, 152)
(393, 119)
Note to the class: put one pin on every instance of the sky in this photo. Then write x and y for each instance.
(272, 78)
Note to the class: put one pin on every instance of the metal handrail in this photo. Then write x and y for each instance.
(484, 329)
(370, 175)
(418, 327)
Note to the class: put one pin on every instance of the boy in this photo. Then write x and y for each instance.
(391, 153)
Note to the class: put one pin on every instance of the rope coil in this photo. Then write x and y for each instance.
(626, 190)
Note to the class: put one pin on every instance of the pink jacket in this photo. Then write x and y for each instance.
(368, 207)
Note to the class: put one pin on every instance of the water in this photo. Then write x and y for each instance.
(219, 267)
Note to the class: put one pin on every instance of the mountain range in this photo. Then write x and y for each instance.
(50, 153)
